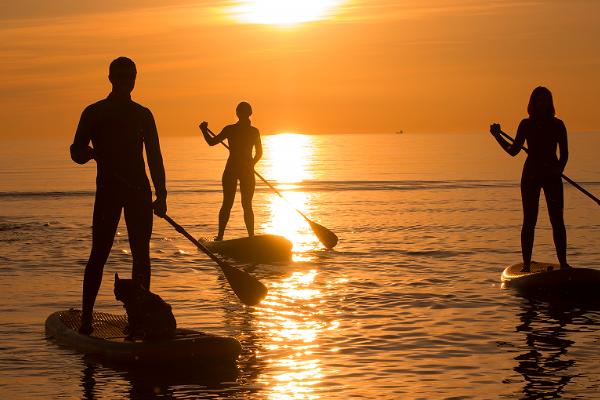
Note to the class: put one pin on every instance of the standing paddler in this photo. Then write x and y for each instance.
(119, 129)
(544, 133)
(243, 138)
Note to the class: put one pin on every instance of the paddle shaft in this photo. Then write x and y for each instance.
(566, 178)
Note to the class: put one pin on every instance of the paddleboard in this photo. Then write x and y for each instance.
(258, 249)
(548, 277)
(107, 341)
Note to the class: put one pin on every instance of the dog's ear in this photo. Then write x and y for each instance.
(116, 277)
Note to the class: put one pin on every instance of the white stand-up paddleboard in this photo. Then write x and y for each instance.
(258, 249)
(550, 277)
(108, 342)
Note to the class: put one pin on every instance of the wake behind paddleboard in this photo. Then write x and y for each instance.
(107, 341)
(549, 277)
(258, 249)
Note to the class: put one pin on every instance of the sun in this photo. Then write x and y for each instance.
(282, 12)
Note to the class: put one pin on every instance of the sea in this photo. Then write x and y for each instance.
(408, 305)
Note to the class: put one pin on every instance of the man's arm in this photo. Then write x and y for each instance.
(81, 152)
(155, 164)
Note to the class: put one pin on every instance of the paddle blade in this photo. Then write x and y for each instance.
(247, 288)
(328, 238)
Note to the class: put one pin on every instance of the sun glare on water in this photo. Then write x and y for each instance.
(289, 156)
(287, 163)
(283, 12)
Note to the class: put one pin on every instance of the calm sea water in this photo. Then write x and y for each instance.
(407, 306)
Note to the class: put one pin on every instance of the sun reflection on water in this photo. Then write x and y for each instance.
(290, 317)
(293, 325)
(288, 157)
(287, 163)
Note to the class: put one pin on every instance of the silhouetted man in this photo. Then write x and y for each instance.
(119, 128)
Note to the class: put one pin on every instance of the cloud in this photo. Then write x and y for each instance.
(382, 10)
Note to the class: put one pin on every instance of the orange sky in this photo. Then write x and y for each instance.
(369, 66)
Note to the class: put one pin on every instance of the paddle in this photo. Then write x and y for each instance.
(246, 287)
(566, 178)
(325, 236)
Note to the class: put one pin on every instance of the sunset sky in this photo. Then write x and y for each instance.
(330, 66)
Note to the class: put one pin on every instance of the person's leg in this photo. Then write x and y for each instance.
(247, 185)
(138, 217)
(107, 212)
(530, 197)
(229, 182)
(553, 190)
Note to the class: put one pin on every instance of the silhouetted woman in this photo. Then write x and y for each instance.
(542, 170)
(242, 138)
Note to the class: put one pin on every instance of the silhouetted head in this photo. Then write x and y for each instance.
(541, 104)
(243, 110)
(121, 74)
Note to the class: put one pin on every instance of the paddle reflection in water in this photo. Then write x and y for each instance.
(288, 161)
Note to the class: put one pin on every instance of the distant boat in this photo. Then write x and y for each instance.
(399, 132)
